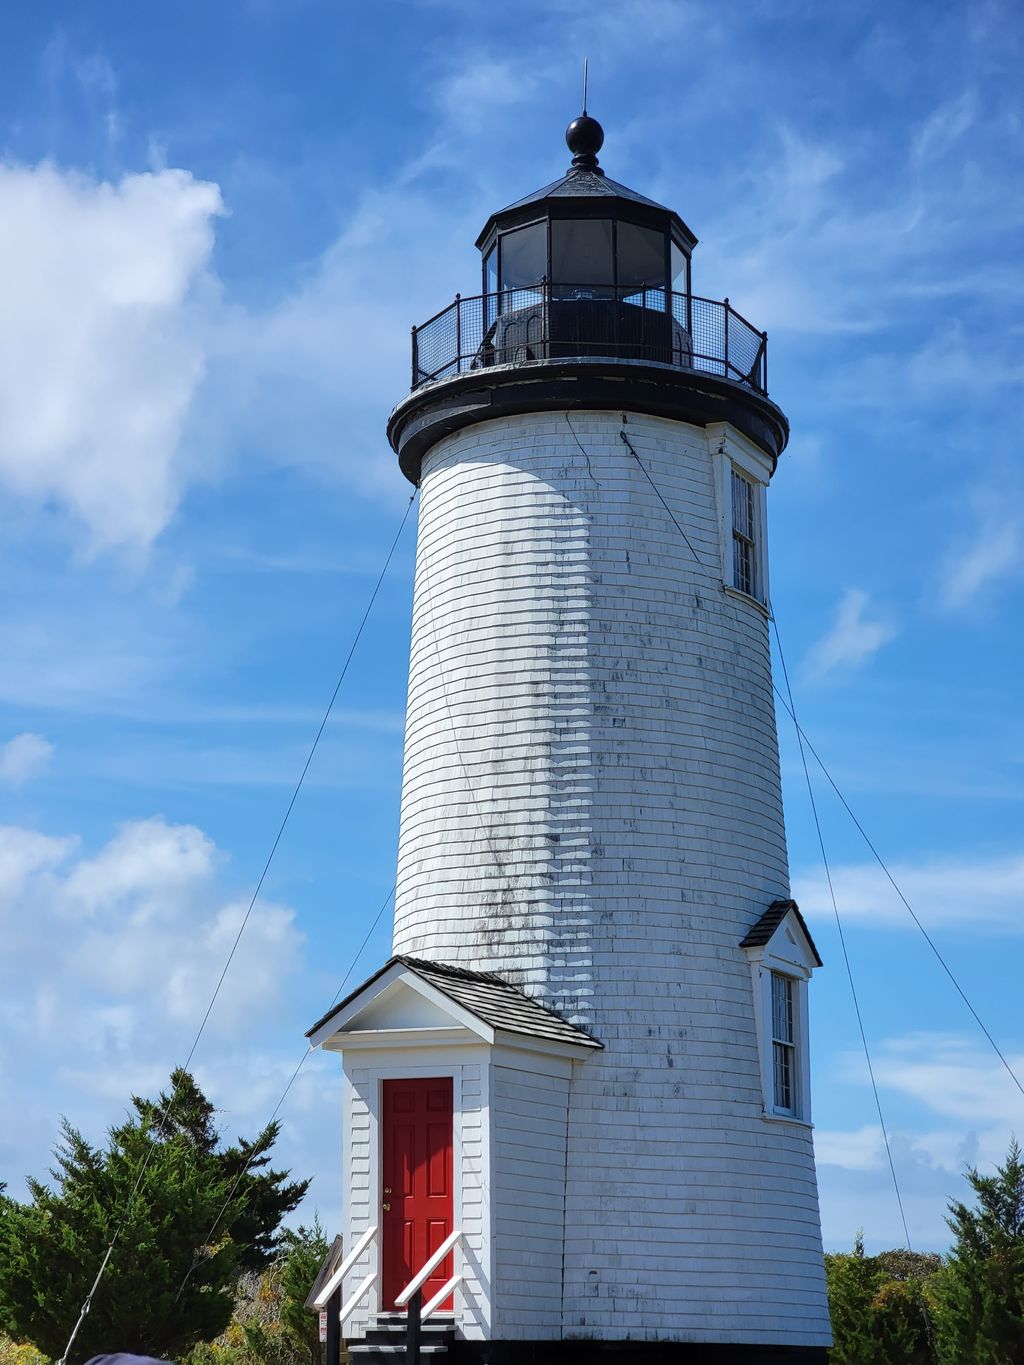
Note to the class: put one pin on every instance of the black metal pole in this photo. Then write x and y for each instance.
(764, 362)
(332, 1349)
(458, 333)
(412, 1329)
(727, 339)
(415, 359)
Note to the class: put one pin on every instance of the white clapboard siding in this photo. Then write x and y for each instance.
(528, 1116)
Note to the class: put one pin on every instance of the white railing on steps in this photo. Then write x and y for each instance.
(415, 1285)
(338, 1278)
(411, 1292)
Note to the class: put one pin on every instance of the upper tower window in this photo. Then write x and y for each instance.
(744, 534)
(784, 1067)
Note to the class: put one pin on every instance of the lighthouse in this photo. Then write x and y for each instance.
(577, 1107)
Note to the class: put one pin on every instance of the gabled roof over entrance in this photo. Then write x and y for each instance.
(484, 996)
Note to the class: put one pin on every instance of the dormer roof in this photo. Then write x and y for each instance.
(762, 933)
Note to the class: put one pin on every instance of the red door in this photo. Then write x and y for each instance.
(416, 1190)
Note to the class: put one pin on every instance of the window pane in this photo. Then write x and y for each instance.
(523, 256)
(581, 253)
(742, 505)
(491, 284)
(783, 1076)
(782, 1008)
(680, 274)
(641, 256)
(742, 565)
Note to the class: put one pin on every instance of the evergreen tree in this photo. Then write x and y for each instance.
(264, 1195)
(878, 1307)
(52, 1247)
(304, 1251)
(981, 1292)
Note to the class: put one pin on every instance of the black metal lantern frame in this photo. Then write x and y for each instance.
(553, 253)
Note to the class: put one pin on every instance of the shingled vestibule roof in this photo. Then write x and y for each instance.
(492, 999)
(761, 933)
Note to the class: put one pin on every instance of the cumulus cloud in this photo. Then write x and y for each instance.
(853, 638)
(100, 355)
(982, 894)
(139, 931)
(24, 756)
(110, 959)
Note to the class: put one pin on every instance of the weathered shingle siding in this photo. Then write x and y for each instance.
(529, 1114)
(592, 808)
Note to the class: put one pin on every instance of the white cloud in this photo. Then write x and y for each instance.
(136, 935)
(25, 854)
(971, 1109)
(945, 125)
(148, 863)
(992, 556)
(24, 756)
(947, 1075)
(97, 1007)
(853, 639)
(100, 355)
(980, 894)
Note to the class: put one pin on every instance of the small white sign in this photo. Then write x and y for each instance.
(323, 1324)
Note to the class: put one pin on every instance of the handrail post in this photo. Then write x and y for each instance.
(332, 1350)
(412, 1329)
(764, 362)
(726, 348)
(458, 333)
(415, 358)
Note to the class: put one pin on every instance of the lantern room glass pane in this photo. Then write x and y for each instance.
(491, 285)
(524, 257)
(581, 257)
(641, 257)
(680, 271)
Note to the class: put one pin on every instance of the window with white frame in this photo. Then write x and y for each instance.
(782, 959)
(744, 534)
(785, 1069)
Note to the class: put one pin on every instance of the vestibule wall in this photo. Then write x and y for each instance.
(510, 1112)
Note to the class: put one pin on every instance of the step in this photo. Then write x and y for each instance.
(427, 1333)
(370, 1350)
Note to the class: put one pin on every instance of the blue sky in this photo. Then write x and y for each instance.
(217, 224)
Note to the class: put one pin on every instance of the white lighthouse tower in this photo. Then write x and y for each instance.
(577, 1100)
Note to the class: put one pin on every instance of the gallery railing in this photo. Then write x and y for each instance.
(571, 321)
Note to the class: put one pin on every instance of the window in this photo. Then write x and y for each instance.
(680, 271)
(491, 283)
(640, 256)
(744, 527)
(782, 958)
(581, 256)
(784, 1067)
(524, 256)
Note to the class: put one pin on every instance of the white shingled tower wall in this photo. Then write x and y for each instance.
(592, 808)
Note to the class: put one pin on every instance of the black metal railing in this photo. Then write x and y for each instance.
(565, 321)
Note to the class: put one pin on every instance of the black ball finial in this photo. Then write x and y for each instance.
(585, 137)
